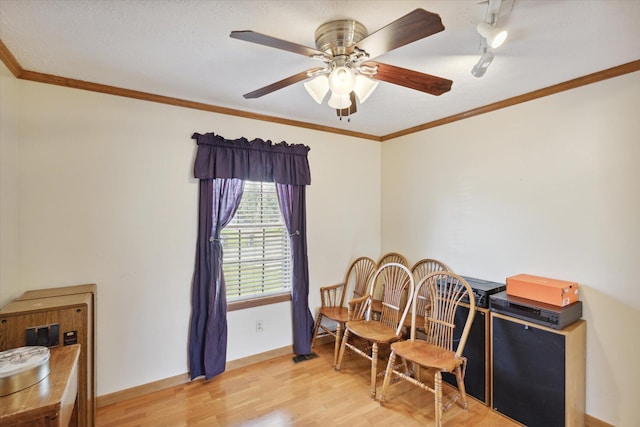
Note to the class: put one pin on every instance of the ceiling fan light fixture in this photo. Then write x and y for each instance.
(318, 88)
(342, 80)
(339, 102)
(494, 36)
(364, 87)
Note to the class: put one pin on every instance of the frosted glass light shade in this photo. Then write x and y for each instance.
(494, 36)
(342, 80)
(364, 87)
(339, 102)
(318, 88)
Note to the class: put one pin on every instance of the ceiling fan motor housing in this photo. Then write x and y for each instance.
(338, 37)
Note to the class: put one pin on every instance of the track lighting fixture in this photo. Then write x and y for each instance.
(494, 36)
(483, 63)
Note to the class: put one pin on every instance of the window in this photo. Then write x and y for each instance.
(257, 257)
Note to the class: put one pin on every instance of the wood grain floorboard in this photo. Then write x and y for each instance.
(279, 392)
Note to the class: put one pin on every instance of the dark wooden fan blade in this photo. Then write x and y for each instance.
(411, 79)
(253, 37)
(411, 27)
(280, 84)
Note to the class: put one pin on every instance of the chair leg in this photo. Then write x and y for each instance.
(437, 388)
(374, 368)
(343, 342)
(336, 348)
(461, 389)
(387, 376)
(315, 329)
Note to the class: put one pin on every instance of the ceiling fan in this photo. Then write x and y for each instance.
(346, 50)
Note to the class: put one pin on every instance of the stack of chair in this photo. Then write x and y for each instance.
(388, 298)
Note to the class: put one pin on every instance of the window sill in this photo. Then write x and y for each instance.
(257, 302)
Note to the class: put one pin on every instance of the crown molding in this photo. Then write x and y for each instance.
(12, 64)
(9, 60)
(620, 70)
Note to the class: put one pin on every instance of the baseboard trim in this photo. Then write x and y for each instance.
(141, 390)
(590, 421)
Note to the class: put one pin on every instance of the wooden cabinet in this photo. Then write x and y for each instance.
(72, 309)
(538, 373)
(51, 402)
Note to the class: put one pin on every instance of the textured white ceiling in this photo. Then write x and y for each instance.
(182, 49)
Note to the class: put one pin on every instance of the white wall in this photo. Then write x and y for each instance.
(550, 187)
(104, 190)
(8, 183)
(97, 188)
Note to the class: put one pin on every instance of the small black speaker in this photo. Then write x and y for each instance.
(528, 374)
(476, 378)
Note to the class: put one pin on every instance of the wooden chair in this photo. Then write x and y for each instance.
(446, 290)
(377, 287)
(396, 299)
(420, 270)
(333, 301)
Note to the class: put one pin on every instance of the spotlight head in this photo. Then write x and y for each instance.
(494, 36)
(481, 66)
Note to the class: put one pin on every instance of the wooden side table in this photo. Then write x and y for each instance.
(73, 313)
(50, 402)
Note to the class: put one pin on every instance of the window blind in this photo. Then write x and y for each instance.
(256, 253)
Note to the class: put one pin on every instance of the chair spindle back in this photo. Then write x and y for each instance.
(358, 277)
(420, 270)
(446, 291)
(398, 287)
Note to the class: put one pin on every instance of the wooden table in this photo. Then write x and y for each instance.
(50, 402)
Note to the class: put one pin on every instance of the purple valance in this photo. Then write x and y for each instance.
(255, 160)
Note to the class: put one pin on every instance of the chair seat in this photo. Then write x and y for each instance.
(372, 331)
(426, 354)
(339, 314)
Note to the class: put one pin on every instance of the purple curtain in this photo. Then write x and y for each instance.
(292, 205)
(255, 160)
(219, 201)
(222, 166)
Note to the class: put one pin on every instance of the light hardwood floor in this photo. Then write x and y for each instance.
(279, 392)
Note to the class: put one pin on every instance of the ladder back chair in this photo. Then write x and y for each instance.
(333, 301)
(446, 291)
(387, 328)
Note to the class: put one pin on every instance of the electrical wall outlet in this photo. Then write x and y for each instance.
(259, 326)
